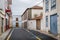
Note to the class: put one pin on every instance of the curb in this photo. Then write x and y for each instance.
(48, 34)
(8, 37)
(8, 34)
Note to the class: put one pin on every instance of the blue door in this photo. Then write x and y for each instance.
(53, 24)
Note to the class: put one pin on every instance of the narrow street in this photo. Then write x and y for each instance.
(29, 19)
(23, 34)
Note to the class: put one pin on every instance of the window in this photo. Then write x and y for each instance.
(46, 5)
(46, 21)
(53, 4)
(16, 19)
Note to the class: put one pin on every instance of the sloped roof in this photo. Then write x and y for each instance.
(34, 7)
(37, 7)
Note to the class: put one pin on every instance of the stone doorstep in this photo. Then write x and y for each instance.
(4, 35)
(56, 37)
(59, 37)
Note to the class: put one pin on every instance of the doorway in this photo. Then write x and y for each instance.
(53, 24)
(38, 24)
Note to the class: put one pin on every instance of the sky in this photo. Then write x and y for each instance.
(19, 6)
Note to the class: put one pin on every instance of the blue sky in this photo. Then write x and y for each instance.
(19, 6)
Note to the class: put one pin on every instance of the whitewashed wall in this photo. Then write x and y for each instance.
(14, 23)
(36, 11)
(58, 7)
(51, 12)
(32, 24)
(3, 4)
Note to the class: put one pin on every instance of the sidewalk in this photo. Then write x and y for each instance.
(47, 34)
(43, 35)
(4, 35)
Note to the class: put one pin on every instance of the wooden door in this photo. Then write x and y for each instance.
(38, 24)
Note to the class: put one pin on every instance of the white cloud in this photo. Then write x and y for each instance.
(18, 6)
(24, 0)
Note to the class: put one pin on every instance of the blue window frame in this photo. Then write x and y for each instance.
(53, 4)
(46, 21)
(46, 5)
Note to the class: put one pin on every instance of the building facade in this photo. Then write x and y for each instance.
(29, 19)
(3, 7)
(16, 21)
(8, 14)
(25, 19)
(51, 16)
(2, 16)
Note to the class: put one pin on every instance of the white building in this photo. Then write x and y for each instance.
(51, 16)
(2, 15)
(35, 22)
(31, 18)
(14, 20)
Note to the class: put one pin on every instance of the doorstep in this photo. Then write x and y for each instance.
(4, 35)
(46, 33)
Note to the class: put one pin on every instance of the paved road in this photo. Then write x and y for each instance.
(42, 36)
(21, 34)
